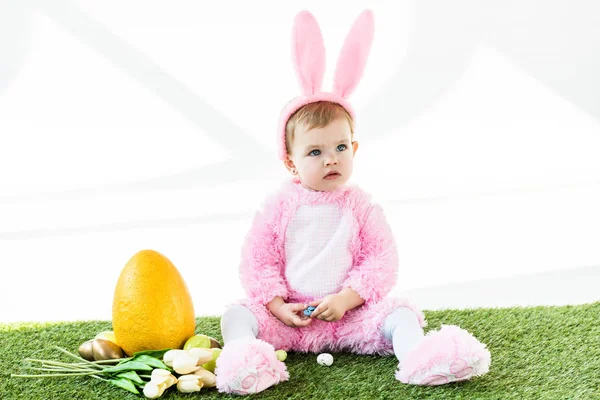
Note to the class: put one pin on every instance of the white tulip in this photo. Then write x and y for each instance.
(203, 355)
(172, 380)
(185, 363)
(208, 378)
(170, 355)
(189, 384)
(153, 390)
(160, 376)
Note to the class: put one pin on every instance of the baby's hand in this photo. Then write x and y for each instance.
(288, 313)
(330, 308)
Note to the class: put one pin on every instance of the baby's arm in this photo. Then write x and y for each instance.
(375, 271)
(262, 266)
(261, 269)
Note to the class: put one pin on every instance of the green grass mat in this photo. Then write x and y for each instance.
(537, 353)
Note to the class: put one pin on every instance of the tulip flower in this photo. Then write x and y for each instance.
(208, 378)
(153, 390)
(160, 380)
(204, 355)
(160, 376)
(170, 355)
(187, 361)
(189, 384)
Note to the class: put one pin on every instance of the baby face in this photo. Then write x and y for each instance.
(323, 157)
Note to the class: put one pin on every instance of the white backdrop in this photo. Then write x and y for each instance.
(132, 125)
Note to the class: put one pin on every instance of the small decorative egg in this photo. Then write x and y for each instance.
(325, 359)
(309, 310)
(281, 355)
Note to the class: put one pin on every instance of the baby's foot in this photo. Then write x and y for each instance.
(448, 355)
(248, 366)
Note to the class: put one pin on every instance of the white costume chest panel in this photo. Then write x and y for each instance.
(317, 251)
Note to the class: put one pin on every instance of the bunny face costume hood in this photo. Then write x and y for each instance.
(308, 56)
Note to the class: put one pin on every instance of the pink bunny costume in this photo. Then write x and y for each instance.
(305, 244)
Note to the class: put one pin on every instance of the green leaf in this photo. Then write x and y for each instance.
(151, 361)
(128, 366)
(125, 384)
(132, 376)
(152, 353)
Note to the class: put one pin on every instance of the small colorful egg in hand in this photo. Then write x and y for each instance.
(309, 310)
(325, 359)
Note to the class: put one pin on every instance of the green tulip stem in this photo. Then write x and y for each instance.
(58, 369)
(58, 364)
(112, 361)
(52, 375)
(78, 358)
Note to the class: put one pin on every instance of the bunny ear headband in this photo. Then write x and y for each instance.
(308, 56)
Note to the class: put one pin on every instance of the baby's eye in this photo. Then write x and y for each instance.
(342, 147)
(314, 153)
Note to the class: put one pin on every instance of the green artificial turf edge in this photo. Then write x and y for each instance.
(537, 353)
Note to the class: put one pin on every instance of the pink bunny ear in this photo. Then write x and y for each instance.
(308, 53)
(353, 57)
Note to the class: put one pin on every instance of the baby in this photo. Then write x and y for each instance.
(321, 242)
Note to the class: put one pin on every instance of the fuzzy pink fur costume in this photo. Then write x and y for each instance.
(374, 273)
(248, 365)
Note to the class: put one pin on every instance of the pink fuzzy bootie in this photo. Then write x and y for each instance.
(449, 355)
(248, 366)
